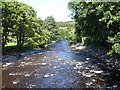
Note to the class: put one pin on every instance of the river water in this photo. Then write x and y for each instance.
(57, 66)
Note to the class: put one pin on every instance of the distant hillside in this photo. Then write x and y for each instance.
(63, 24)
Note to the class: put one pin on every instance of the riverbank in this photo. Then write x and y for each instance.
(11, 54)
(100, 53)
(109, 64)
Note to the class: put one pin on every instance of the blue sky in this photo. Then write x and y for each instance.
(57, 8)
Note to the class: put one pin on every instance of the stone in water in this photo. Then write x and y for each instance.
(98, 72)
(15, 82)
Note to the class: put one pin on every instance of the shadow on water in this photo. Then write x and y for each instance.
(98, 57)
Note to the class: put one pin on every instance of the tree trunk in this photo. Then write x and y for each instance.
(19, 40)
(4, 38)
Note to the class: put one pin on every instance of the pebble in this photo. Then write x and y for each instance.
(87, 58)
(87, 74)
(29, 63)
(75, 67)
(29, 59)
(98, 72)
(59, 58)
(91, 71)
(56, 66)
(79, 67)
(26, 75)
(15, 81)
(93, 80)
(80, 47)
(13, 74)
(31, 86)
(87, 68)
(7, 64)
(48, 75)
(21, 65)
(25, 57)
(45, 57)
(86, 61)
(79, 72)
(79, 64)
(22, 62)
(115, 86)
(89, 83)
(43, 63)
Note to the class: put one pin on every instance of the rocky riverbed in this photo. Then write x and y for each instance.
(61, 66)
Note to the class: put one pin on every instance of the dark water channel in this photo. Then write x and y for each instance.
(58, 66)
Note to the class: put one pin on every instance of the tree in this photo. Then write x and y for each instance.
(6, 22)
(95, 21)
(26, 14)
(17, 20)
(65, 31)
(49, 23)
(21, 24)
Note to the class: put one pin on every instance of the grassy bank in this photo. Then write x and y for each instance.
(11, 48)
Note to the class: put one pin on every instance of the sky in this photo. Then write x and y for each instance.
(44, 8)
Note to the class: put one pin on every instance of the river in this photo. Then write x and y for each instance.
(57, 66)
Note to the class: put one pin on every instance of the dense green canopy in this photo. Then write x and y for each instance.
(96, 21)
(20, 22)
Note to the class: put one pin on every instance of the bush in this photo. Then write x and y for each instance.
(116, 43)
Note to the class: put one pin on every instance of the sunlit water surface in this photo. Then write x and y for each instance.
(58, 66)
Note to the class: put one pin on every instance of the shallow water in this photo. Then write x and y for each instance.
(58, 66)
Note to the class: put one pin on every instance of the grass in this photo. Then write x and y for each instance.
(11, 48)
(11, 44)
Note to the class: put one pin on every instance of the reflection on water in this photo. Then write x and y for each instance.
(58, 66)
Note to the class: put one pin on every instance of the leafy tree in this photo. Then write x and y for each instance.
(22, 26)
(49, 23)
(25, 15)
(95, 21)
(20, 21)
(5, 19)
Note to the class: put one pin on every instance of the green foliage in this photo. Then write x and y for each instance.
(116, 48)
(49, 23)
(65, 31)
(21, 25)
(49, 26)
(96, 21)
(42, 38)
(16, 20)
(116, 43)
